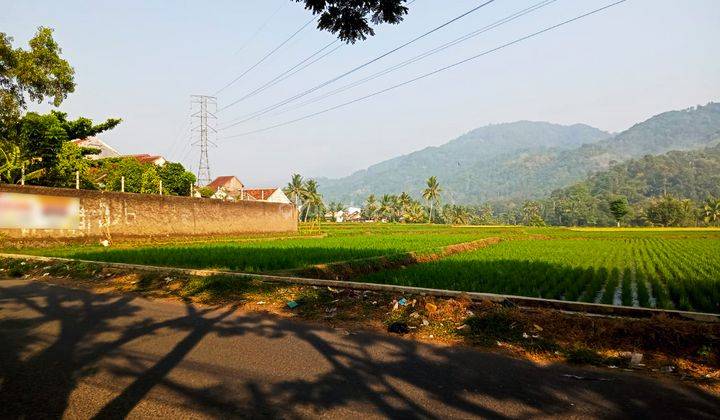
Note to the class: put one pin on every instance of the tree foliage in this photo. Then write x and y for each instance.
(37, 142)
(350, 19)
(33, 74)
(619, 208)
(107, 174)
(670, 211)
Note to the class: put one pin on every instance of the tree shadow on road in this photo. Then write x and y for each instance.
(54, 339)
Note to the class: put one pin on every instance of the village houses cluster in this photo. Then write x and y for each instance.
(228, 188)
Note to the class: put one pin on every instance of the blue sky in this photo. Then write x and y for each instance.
(141, 60)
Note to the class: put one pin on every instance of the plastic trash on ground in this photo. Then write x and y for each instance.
(398, 328)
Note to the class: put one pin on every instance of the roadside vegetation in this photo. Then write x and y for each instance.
(682, 348)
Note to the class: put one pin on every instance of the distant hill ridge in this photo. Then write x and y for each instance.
(525, 159)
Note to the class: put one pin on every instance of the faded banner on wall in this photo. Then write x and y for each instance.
(32, 211)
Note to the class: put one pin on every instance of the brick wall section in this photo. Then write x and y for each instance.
(127, 214)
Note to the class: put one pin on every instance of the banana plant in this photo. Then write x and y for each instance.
(13, 164)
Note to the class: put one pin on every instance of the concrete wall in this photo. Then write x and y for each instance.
(127, 214)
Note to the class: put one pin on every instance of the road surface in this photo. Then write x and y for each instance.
(77, 354)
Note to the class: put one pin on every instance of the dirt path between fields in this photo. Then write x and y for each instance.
(348, 270)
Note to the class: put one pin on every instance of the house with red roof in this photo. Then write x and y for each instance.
(273, 195)
(230, 184)
(230, 187)
(154, 159)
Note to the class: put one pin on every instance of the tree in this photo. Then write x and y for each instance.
(484, 215)
(387, 203)
(313, 199)
(619, 209)
(403, 202)
(206, 192)
(432, 194)
(38, 140)
(414, 213)
(531, 214)
(109, 173)
(33, 74)
(669, 211)
(457, 215)
(150, 181)
(371, 208)
(176, 180)
(72, 158)
(349, 19)
(295, 190)
(711, 211)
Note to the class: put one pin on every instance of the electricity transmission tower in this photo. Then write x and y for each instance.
(204, 108)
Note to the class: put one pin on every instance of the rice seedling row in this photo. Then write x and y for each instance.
(651, 271)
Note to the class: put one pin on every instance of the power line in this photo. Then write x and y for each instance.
(260, 28)
(367, 63)
(289, 72)
(421, 56)
(426, 75)
(279, 77)
(265, 57)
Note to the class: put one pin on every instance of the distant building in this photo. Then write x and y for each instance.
(154, 159)
(229, 183)
(93, 142)
(273, 195)
(231, 188)
(353, 214)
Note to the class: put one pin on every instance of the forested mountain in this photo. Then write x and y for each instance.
(463, 160)
(689, 174)
(526, 159)
(693, 175)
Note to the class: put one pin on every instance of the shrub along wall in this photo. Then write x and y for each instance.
(102, 214)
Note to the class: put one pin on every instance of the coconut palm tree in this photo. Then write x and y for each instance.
(371, 207)
(295, 190)
(312, 198)
(387, 203)
(432, 194)
(414, 213)
(403, 203)
(457, 215)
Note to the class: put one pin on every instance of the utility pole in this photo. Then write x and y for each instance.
(204, 108)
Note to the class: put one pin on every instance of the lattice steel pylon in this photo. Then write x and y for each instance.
(204, 108)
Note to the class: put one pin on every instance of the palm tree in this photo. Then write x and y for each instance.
(371, 207)
(12, 164)
(458, 215)
(295, 190)
(414, 213)
(386, 206)
(312, 198)
(432, 193)
(403, 203)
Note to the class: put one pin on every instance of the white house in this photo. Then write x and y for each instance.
(105, 150)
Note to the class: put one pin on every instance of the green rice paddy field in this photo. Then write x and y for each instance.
(663, 268)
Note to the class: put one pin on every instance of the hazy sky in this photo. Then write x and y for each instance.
(141, 60)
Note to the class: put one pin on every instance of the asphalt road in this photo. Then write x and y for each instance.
(76, 354)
